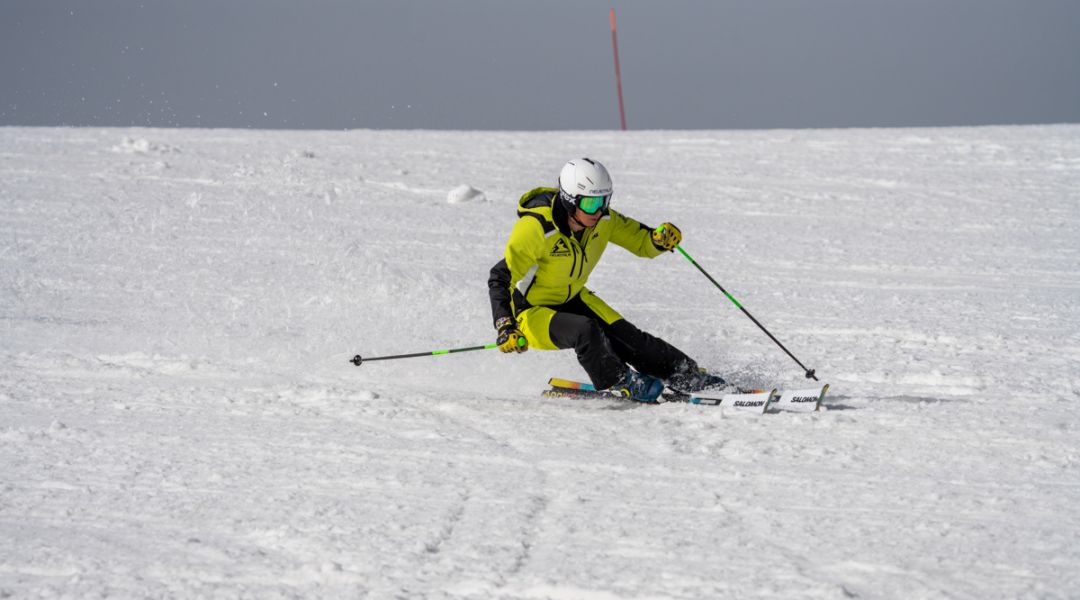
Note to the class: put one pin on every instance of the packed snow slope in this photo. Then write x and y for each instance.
(178, 417)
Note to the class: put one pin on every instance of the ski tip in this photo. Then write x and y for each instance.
(570, 384)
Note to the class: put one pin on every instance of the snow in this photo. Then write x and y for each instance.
(178, 417)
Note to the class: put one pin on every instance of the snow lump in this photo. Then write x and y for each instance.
(465, 193)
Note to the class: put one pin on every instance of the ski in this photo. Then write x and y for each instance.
(744, 400)
(759, 401)
(755, 401)
(802, 400)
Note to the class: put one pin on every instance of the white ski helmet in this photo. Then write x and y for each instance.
(584, 177)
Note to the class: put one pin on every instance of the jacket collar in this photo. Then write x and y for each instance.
(559, 216)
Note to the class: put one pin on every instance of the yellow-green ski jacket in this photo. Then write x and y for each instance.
(545, 264)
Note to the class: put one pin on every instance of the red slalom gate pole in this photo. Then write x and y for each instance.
(618, 75)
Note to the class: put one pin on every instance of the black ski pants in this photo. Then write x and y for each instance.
(604, 350)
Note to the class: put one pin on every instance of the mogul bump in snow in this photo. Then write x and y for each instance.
(539, 298)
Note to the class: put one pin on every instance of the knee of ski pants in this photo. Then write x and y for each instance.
(548, 329)
(535, 321)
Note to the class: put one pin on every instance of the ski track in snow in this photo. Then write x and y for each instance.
(178, 417)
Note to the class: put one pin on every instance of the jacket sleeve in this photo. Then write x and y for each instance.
(632, 235)
(523, 250)
(499, 291)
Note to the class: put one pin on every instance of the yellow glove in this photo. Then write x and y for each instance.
(510, 337)
(666, 237)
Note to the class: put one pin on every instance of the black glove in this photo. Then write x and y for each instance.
(666, 237)
(510, 337)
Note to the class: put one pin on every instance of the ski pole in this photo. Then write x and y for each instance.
(809, 372)
(358, 360)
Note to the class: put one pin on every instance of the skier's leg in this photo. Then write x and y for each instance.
(547, 329)
(586, 336)
(646, 352)
(652, 355)
(643, 351)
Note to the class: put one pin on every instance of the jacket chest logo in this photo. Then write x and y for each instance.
(560, 249)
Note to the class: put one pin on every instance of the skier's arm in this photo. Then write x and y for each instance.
(633, 235)
(499, 291)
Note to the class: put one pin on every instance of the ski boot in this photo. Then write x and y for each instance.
(697, 380)
(638, 387)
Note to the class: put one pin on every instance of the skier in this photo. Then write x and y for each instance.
(539, 298)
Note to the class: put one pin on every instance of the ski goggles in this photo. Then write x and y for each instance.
(591, 205)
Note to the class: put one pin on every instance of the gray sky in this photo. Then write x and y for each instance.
(508, 64)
